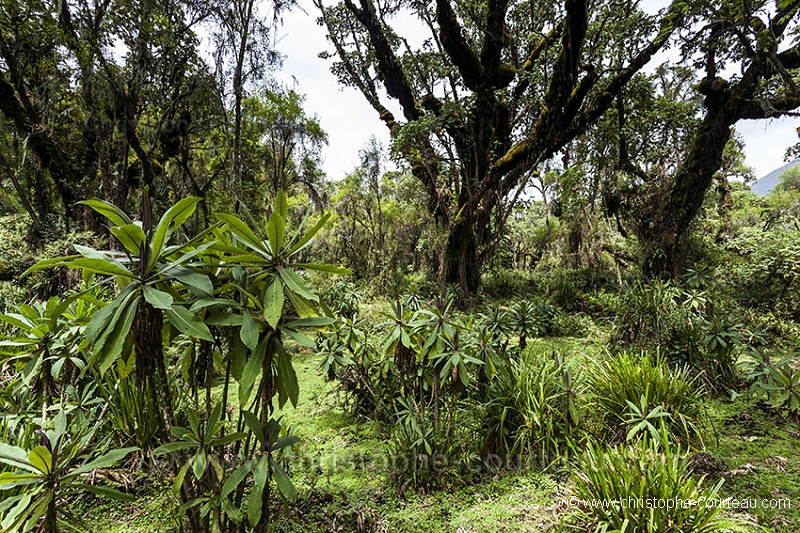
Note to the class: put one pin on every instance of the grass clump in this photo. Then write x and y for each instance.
(637, 390)
(643, 487)
(533, 409)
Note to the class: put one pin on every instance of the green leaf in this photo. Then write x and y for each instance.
(236, 477)
(299, 338)
(113, 213)
(302, 306)
(172, 447)
(308, 235)
(17, 320)
(275, 228)
(254, 424)
(112, 345)
(297, 285)
(198, 281)
(311, 322)
(199, 464)
(170, 221)
(249, 331)
(273, 303)
(23, 502)
(101, 266)
(254, 505)
(41, 459)
(9, 480)
(227, 439)
(106, 460)
(242, 232)
(187, 323)
(178, 483)
(166, 271)
(285, 442)
(281, 204)
(224, 319)
(288, 387)
(156, 298)
(260, 478)
(16, 457)
(107, 492)
(130, 236)
(209, 302)
(252, 370)
(49, 263)
(285, 485)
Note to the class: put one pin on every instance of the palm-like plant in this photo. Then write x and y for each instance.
(152, 279)
(273, 302)
(45, 343)
(49, 472)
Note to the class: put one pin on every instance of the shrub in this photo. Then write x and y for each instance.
(686, 323)
(533, 410)
(614, 486)
(622, 381)
(504, 283)
(777, 382)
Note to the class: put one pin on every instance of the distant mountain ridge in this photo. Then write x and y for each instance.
(764, 185)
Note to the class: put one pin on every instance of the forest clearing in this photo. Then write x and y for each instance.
(553, 300)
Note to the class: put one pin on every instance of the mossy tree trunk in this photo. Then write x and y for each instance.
(764, 90)
(505, 104)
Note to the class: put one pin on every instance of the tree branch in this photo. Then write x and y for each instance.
(389, 69)
(460, 52)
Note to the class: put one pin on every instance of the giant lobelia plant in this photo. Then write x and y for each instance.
(269, 301)
(151, 279)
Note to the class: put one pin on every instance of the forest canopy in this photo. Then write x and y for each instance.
(552, 284)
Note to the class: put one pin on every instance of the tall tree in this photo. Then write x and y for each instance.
(494, 90)
(283, 148)
(752, 39)
(106, 94)
(244, 52)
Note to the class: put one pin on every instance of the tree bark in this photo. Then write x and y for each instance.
(476, 157)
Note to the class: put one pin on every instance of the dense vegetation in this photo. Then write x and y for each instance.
(558, 299)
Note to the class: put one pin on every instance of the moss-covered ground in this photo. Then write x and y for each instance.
(340, 470)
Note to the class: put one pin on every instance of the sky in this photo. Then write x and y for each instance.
(350, 122)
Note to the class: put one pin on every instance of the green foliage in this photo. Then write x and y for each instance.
(50, 472)
(143, 272)
(629, 488)
(380, 230)
(133, 415)
(199, 443)
(343, 297)
(630, 389)
(533, 319)
(532, 409)
(46, 344)
(776, 382)
(685, 324)
(420, 369)
(224, 288)
(507, 283)
(762, 271)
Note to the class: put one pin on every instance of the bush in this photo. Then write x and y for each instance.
(615, 485)
(776, 382)
(627, 388)
(532, 409)
(505, 283)
(763, 270)
(687, 323)
(574, 325)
